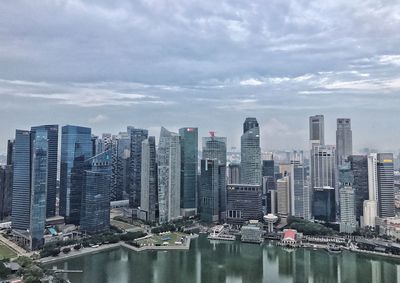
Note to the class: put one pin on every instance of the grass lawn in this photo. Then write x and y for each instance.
(158, 239)
(6, 252)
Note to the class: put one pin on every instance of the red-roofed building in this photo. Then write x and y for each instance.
(290, 238)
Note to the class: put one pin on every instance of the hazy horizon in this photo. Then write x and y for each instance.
(206, 64)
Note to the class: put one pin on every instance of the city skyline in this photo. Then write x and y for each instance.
(107, 65)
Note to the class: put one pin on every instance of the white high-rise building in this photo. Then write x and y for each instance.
(348, 222)
(370, 213)
(372, 177)
(169, 176)
(283, 196)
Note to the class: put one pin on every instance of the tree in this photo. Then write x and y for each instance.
(66, 250)
(77, 247)
(4, 271)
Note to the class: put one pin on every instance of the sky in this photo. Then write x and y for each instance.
(207, 64)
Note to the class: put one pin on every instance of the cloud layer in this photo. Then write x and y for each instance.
(203, 63)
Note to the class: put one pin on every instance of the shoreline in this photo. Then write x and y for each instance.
(102, 248)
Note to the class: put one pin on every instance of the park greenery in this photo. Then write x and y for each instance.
(309, 228)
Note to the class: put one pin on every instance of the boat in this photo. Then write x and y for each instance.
(332, 248)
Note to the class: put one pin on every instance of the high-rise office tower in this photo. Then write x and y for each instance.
(30, 185)
(120, 165)
(359, 168)
(317, 135)
(39, 184)
(323, 166)
(52, 136)
(323, 181)
(189, 164)
(21, 200)
(137, 137)
(209, 190)
(76, 147)
(297, 193)
(169, 176)
(385, 173)
(370, 213)
(10, 150)
(373, 176)
(234, 173)
(149, 194)
(283, 195)
(95, 208)
(348, 222)
(323, 204)
(344, 142)
(106, 139)
(250, 164)
(6, 181)
(214, 148)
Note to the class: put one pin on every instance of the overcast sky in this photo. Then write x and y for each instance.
(109, 64)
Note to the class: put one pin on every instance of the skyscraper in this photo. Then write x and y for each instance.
(149, 194)
(209, 190)
(10, 150)
(250, 165)
(214, 148)
(39, 184)
(297, 193)
(323, 204)
(137, 137)
(359, 168)
(76, 147)
(189, 164)
(344, 142)
(283, 195)
(385, 173)
(52, 136)
(95, 208)
(348, 222)
(6, 181)
(30, 185)
(234, 173)
(373, 176)
(317, 134)
(21, 200)
(169, 176)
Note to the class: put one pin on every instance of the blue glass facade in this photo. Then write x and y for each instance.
(189, 164)
(52, 137)
(38, 187)
(76, 147)
(95, 209)
(22, 181)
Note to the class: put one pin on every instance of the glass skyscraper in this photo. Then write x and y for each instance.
(169, 176)
(359, 168)
(137, 137)
(344, 142)
(149, 194)
(52, 137)
(250, 165)
(40, 145)
(95, 208)
(210, 190)
(189, 164)
(385, 185)
(76, 147)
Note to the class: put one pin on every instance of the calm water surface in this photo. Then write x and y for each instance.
(231, 262)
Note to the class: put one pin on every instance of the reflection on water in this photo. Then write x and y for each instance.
(232, 262)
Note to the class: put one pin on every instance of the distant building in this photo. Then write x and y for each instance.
(385, 173)
(348, 222)
(76, 147)
(252, 232)
(250, 165)
(359, 168)
(210, 178)
(149, 193)
(370, 213)
(233, 173)
(95, 211)
(137, 137)
(317, 134)
(283, 195)
(189, 164)
(6, 185)
(243, 203)
(169, 176)
(323, 204)
(344, 142)
(297, 192)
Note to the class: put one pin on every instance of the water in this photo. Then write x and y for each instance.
(231, 262)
